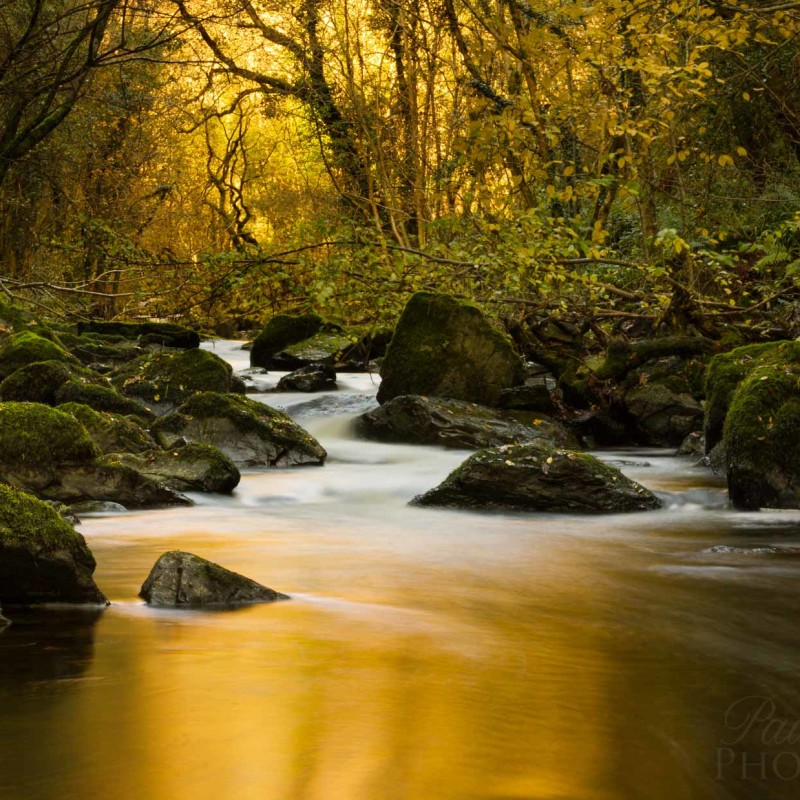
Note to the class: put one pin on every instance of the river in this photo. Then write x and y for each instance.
(426, 654)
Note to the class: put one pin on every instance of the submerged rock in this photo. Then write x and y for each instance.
(538, 477)
(311, 378)
(248, 432)
(43, 559)
(444, 347)
(453, 423)
(190, 468)
(184, 579)
(96, 507)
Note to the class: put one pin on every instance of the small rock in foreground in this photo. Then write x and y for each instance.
(183, 579)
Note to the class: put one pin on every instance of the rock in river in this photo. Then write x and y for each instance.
(312, 378)
(184, 579)
(43, 559)
(538, 477)
(453, 423)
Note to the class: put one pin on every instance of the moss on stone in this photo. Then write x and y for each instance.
(26, 348)
(762, 438)
(101, 398)
(24, 518)
(280, 332)
(324, 348)
(173, 377)
(36, 383)
(35, 435)
(446, 347)
(112, 433)
(727, 370)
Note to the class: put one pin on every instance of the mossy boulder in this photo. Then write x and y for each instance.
(454, 423)
(93, 349)
(43, 559)
(446, 348)
(190, 468)
(101, 397)
(164, 334)
(26, 347)
(184, 579)
(167, 379)
(325, 347)
(248, 432)
(112, 433)
(727, 370)
(538, 477)
(280, 332)
(38, 382)
(761, 438)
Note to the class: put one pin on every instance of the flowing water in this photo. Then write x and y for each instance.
(426, 653)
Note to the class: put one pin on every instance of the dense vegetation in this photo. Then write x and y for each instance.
(614, 169)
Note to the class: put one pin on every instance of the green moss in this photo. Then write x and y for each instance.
(34, 435)
(112, 433)
(173, 377)
(24, 519)
(27, 348)
(36, 383)
(323, 347)
(727, 370)
(446, 347)
(280, 332)
(101, 398)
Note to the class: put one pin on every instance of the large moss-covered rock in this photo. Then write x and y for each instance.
(191, 468)
(165, 334)
(42, 558)
(446, 348)
(37, 382)
(26, 348)
(280, 332)
(761, 437)
(454, 423)
(50, 454)
(184, 579)
(538, 477)
(325, 347)
(112, 433)
(167, 379)
(94, 349)
(727, 370)
(249, 433)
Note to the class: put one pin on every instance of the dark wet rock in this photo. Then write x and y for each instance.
(662, 416)
(443, 347)
(313, 378)
(753, 550)
(43, 559)
(112, 433)
(190, 468)
(248, 432)
(363, 353)
(96, 507)
(530, 397)
(108, 479)
(165, 334)
(694, 444)
(168, 379)
(538, 477)
(453, 423)
(762, 434)
(280, 332)
(183, 579)
(21, 349)
(715, 460)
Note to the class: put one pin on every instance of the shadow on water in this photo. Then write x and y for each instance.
(45, 645)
